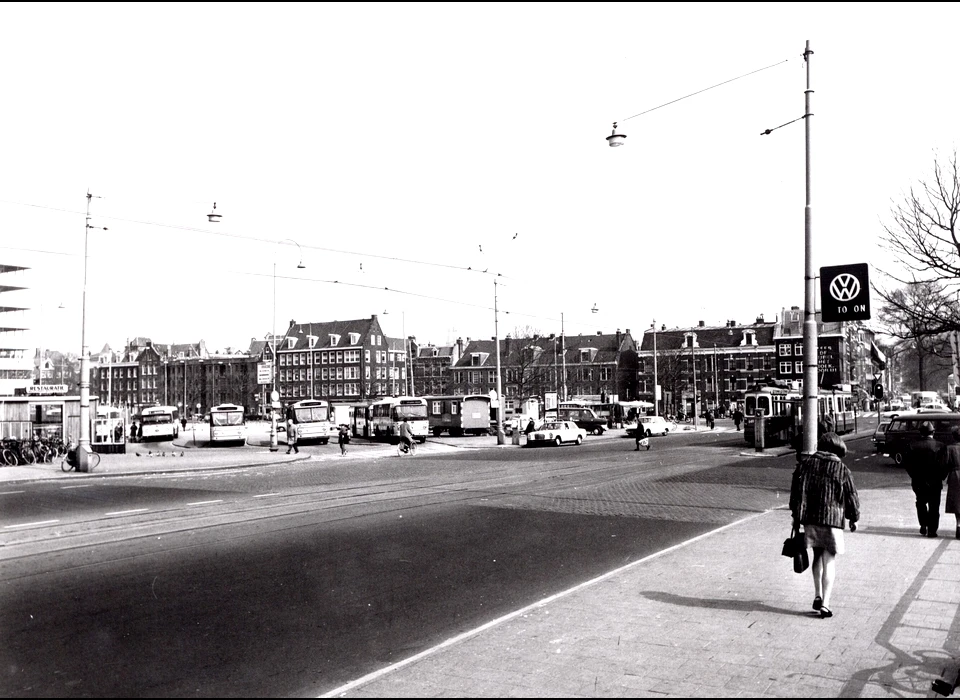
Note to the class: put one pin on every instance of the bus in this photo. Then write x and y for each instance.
(159, 423)
(227, 424)
(384, 418)
(458, 415)
(782, 409)
(109, 430)
(313, 420)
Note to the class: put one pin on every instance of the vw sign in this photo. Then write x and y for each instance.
(845, 293)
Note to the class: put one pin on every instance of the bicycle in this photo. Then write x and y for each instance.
(404, 448)
(69, 461)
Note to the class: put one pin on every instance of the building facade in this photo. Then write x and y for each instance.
(16, 357)
(431, 367)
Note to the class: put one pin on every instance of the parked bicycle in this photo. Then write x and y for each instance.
(14, 452)
(69, 462)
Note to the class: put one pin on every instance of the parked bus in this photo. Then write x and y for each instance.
(459, 415)
(159, 423)
(782, 409)
(313, 420)
(359, 420)
(227, 424)
(384, 418)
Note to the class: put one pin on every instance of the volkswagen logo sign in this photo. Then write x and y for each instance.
(845, 287)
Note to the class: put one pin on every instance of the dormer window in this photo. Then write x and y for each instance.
(312, 341)
(291, 343)
(334, 340)
(354, 338)
(690, 341)
(587, 354)
(478, 358)
(749, 338)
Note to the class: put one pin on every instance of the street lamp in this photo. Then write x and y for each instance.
(274, 396)
(84, 443)
(810, 313)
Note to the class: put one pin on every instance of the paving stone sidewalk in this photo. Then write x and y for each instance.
(722, 615)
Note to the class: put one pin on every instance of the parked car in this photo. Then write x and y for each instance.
(557, 433)
(880, 436)
(584, 418)
(651, 425)
(905, 429)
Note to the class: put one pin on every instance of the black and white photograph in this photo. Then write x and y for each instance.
(381, 350)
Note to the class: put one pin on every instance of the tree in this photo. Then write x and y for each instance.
(529, 365)
(923, 236)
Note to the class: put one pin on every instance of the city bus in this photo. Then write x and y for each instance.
(385, 416)
(313, 420)
(227, 424)
(159, 423)
(458, 415)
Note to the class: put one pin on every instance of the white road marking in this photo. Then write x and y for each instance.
(10, 493)
(40, 522)
(128, 512)
(204, 503)
(266, 495)
(78, 486)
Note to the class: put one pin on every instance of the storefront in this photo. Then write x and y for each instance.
(43, 412)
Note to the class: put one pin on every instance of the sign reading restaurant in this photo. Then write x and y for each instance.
(47, 390)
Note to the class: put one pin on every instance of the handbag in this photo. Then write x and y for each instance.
(796, 548)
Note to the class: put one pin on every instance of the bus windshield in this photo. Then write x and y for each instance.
(410, 412)
(311, 414)
(227, 418)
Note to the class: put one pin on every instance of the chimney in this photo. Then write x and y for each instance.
(700, 324)
(760, 318)
(460, 347)
(599, 332)
(618, 337)
(292, 323)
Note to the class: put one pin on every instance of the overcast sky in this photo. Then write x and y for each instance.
(391, 142)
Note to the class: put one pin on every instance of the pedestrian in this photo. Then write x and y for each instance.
(952, 469)
(183, 423)
(737, 417)
(133, 431)
(139, 432)
(711, 420)
(924, 461)
(822, 497)
(342, 439)
(640, 435)
(292, 437)
(531, 426)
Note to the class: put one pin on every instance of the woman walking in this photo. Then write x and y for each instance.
(952, 468)
(821, 496)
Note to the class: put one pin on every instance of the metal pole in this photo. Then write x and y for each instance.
(809, 314)
(563, 360)
(656, 403)
(496, 335)
(716, 385)
(84, 357)
(273, 339)
(693, 359)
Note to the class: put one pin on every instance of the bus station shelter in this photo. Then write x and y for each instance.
(43, 412)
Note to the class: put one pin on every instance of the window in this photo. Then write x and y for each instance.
(798, 350)
(291, 343)
(786, 367)
(334, 339)
(435, 407)
(798, 367)
(354, 338)
(784, 349)
(366, 356)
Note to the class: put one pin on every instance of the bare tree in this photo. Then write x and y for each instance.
(914, 316)
(528, 364)
(923, 235)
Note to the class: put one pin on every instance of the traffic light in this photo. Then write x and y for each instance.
(877, 390)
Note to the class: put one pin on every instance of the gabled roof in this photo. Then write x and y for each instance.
(606, 344)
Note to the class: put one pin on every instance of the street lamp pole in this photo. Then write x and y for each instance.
(693, 360)
(810, 312)
(84, 443)
(496, 335)
(656, 410)
(273, 412)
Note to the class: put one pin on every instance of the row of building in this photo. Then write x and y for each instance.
(354, 362)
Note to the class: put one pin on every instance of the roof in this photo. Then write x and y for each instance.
(322, 331)
(607, 345)
(709, 336)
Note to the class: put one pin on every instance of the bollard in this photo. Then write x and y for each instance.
(759, 431)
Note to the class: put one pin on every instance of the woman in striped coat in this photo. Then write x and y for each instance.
(822, 496)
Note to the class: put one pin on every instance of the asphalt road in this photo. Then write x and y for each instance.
(290, 582)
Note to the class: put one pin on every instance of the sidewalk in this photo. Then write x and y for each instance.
(722, 615)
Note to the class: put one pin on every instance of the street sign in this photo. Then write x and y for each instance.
(845, 293)
(274, 396)
(264, 372)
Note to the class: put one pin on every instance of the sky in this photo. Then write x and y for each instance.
(426, 162)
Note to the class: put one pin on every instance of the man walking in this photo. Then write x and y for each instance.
(924, 461)
(737, 417)
(292, 437)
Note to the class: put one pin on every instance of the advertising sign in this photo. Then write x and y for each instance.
(845, 293)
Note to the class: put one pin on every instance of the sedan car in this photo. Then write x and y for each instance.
(557, 433)
(651, 425)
